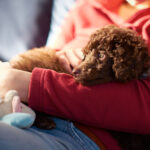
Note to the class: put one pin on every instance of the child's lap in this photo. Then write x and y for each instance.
(66, 136)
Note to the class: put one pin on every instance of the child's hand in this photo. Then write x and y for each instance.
(70, 58)
(13, 79)
(4, 71)
(4, 65)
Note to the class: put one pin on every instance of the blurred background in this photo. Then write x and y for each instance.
(25, 24)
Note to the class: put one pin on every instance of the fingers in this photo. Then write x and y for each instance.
(78, 52)
(70, 57)
(73, 59)
(65, 63)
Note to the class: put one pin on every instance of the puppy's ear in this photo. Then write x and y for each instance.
(129, 65)
(124, 67)
(127, 69)
(124, 72)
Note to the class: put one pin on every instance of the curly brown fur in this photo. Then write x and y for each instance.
(37, 57)
(112, 54)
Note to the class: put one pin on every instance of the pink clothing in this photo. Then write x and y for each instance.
(79, 24)
(122, 107)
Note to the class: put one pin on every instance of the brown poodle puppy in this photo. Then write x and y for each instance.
(112, 54)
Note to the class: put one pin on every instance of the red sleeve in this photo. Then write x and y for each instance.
(117, 106)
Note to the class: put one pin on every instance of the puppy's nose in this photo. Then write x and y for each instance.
(76, 72)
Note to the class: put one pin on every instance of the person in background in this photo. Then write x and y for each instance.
(82, 114)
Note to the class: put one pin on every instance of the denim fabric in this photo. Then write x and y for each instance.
(64, 137)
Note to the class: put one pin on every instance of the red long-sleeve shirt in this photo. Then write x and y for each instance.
(117, 106)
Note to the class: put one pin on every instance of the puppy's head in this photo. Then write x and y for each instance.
(112, 54)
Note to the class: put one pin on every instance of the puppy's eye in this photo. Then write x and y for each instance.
(101, 56)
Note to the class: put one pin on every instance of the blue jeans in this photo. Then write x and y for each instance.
(64, 137)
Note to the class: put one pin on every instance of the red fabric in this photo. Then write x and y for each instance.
(79, 24)
(123, 107)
